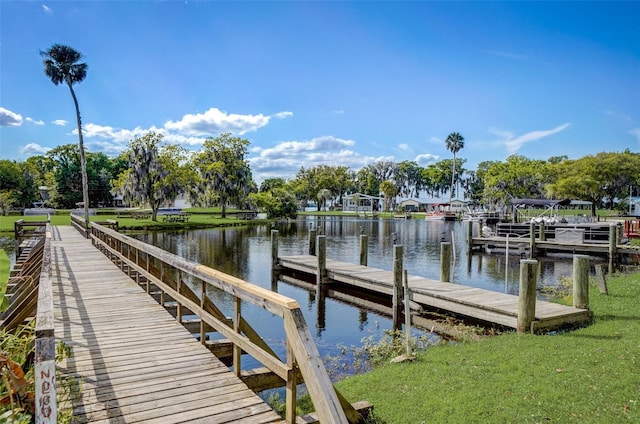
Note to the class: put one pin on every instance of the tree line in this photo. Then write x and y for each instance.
(152, 173)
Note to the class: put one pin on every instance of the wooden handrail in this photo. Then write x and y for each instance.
(44, 362)
(302, 354)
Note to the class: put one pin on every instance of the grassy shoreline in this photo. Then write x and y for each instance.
(590, 375)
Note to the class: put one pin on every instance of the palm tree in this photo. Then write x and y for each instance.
(389, 190)
(323, 195)
(454, 143)
(62, 64)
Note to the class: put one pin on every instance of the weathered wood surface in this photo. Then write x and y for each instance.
(485, 305)
(136, 363)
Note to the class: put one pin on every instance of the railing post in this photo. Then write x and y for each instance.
(291, 387)
(397, 286)
(527, 295)
(581, 281)
(445, 262)
(313, 233)
(179, 290)
(469, 236)
(543, 236)
(237, 351)
(364, 249)
(203, 332)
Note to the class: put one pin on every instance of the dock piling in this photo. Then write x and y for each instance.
(532, 240)
(602, 281)
(527, 295)
(274, 260)
(322, 261)
(612, 247)
(469, 236)
(407, 314)
(313, 233)
(364, 249)
(397, 286)
(581, 281)
(445, 262)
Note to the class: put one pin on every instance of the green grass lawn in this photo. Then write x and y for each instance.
(590, 375)
(198, 219)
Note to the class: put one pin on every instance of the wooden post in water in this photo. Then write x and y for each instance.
(274, 249)
(313, 233)
(532, 240)
(543, 237)
(469, 236)
(364, 249)
(397, 286)
(274, 260)
(581, 281)
(612, 247)
(527, 296)
(445, 262)
(322, 261)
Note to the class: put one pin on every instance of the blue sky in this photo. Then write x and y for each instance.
(338, 83)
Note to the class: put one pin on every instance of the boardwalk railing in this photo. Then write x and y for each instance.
(30, 291)
(169, 272)
(27, 231)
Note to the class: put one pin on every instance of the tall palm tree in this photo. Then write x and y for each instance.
(62, 64)
(454, 143)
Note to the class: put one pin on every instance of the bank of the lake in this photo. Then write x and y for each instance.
(590, 375)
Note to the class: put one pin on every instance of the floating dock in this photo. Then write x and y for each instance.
(482, 305)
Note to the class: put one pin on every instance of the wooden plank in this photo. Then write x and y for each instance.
(137, 364)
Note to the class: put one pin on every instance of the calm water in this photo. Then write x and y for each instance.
(245, 252)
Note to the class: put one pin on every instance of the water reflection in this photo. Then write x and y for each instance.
(245, 252)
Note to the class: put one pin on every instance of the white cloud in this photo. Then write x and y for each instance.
(404, 147)
(215, 121)
(9, 118)
(338, 111)
(513, 143)
(60, 122)
(47, 9)
(426, 159)
(33, 149)
(287, 157)
(636, 133)
(34, 122)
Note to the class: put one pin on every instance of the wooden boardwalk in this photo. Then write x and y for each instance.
(484, 305)
(134, 361)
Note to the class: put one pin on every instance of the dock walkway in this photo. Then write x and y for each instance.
(134, 361)
(484, 305)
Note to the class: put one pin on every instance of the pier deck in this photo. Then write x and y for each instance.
(134, 361)
(479, 304)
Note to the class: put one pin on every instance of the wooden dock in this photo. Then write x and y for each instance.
(134, 361)
(475, 303)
